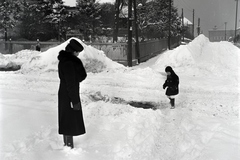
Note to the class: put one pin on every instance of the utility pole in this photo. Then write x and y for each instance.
(193, 24)
(5, 27)
(169, 24)
(5, 34)
(183, 28)
(198, 28)
(225, 31)
(129, 56)
(235, 35)
(116, 21)
(136, 31)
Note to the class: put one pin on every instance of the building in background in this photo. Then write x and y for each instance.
(187, 29)
(187, 23)
(217, 35)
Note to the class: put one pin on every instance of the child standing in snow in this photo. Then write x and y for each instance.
(172, 85)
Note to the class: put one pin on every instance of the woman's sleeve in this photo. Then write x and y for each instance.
(83, 73)
(72, 85)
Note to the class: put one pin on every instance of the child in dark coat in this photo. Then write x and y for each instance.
(171, 83)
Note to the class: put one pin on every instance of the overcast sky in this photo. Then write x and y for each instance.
(211, 12)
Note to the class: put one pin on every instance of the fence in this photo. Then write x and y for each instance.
(148, 49)
(11, 47)
(115, 51)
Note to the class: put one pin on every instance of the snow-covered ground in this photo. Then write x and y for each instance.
(205, 124)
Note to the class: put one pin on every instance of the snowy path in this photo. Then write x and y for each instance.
(24, 112)
(25, 106)
(204, 124)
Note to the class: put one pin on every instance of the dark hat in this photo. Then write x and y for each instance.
(74, 45)
(168, 69)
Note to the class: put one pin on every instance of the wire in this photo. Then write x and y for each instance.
(186, 5)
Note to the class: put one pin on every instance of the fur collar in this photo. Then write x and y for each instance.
(67, 56)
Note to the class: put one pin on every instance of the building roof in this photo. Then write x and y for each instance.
(186, 21)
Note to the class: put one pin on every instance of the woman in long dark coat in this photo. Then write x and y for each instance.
(71, 73)
(171, 83)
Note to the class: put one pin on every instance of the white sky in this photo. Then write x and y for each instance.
(211, 13)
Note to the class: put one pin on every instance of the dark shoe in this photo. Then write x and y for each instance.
(69, 141)
(172, 102)
(65, 140)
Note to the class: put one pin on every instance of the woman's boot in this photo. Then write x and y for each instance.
(65, 140)
(69, 141)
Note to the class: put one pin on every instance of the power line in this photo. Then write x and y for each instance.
(187, 6)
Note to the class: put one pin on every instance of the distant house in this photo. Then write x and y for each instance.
(188, 25)
(217, 35)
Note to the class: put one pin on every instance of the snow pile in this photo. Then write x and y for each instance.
(94, 60)
(182, 56)
(201, 54)
(220, 58)
(18, 58)
(22, 56)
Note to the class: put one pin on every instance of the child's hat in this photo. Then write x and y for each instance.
(168, 69)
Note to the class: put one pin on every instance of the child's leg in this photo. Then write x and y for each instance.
(172, 101)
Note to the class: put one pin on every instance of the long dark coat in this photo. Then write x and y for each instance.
(172, 83)
(71, 73)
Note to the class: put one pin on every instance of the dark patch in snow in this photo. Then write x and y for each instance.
(117, 100)
(144, 105)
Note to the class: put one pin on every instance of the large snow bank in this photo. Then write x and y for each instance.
(94, 60)
(8, 61)
(218, 58)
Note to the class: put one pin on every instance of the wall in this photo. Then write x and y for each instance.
(114, 51)
(11, 47)
(219, 35)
